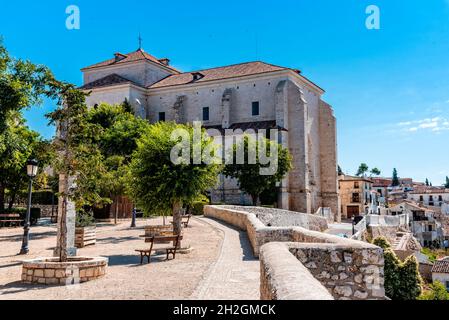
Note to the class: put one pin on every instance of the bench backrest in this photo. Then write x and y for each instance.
(9, 215)
(164, 238)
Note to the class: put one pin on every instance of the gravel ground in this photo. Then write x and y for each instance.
(284, 218)
(125, 278)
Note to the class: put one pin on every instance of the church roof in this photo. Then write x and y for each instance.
(138, 55)
(232, 71)
(109, 80)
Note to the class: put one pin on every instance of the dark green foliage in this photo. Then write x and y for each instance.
(156, 183)
(436, 291)
(339, 171)
(248, 175)
(446, 184)
(363, 168)
(395, 179)
(402, 279)
(197, 208)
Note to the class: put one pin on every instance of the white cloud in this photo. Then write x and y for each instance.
(435, 124)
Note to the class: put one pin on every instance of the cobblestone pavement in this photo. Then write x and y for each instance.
(235, 275)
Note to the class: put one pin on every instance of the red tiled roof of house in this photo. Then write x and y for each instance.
(137, 55)
(441, 266)
(109, 80)
(232, 71)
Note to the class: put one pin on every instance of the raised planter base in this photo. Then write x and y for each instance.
(52, 272)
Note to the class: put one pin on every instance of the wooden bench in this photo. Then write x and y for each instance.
(185, 220)
(160, 239)
(10, 219)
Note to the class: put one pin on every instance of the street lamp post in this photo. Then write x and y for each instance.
(133, 221)
(32, 166)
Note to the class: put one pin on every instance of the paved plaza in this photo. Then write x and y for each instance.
(220, 266)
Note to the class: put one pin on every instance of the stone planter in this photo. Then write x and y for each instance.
(50, 271)
(85, 236)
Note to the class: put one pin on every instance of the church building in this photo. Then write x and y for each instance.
(252, 95)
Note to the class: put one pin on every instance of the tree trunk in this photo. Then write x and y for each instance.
(177, 218)
(62, 220)
(2, 198)
(255, 197)
(12, 200)
(116, 209)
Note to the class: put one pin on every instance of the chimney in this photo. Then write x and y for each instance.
(165, 61)
(118, 56)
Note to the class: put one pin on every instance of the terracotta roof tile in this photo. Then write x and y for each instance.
(137, 55)
(109, 80)
(441, 266)
(232, 71)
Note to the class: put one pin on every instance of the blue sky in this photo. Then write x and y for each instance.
(389, 88)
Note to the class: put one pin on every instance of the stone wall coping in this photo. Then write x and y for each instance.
(333, 246)
(288, 279)
(260, 227)
(52, 262)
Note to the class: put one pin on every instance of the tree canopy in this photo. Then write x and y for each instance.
(159, 185)
(18, 144)
(248, 174)
(402, 279)
(363, 168)
(22, 85)
(395, 179)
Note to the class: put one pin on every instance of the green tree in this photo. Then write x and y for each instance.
(363, 168)
(446, 185)
(427, 182)
(78, 158)
(375, 172)
(402, 279)
(436, 291)
(395, 179)
(22, 85)
(339, 171)
(248, 175)
(115, 135)
(18, 144)
(158, 184)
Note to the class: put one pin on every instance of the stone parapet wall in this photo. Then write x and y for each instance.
(345, 268)
(51, 272)
(280, 274)
(259, 233)
(352, 272)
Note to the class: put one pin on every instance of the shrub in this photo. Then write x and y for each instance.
(402, 279)
(436, 291)
(197, 207)
(84, 219)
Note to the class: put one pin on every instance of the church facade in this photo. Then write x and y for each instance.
(253, 95)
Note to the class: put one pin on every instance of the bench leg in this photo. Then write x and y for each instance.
(148, 257)
(141, 258)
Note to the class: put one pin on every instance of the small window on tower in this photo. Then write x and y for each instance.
(161, 116)
(255, 108)
(206, 114)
